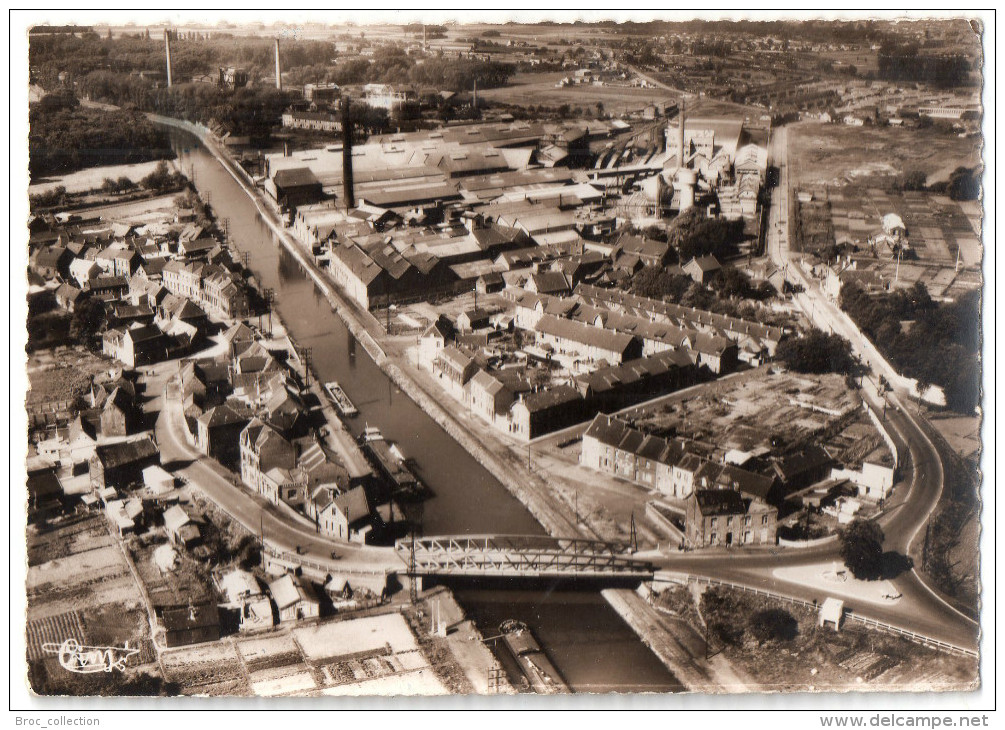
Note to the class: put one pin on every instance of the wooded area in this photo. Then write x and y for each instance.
(63, 137)
(937, 343)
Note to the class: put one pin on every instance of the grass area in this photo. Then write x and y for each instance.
(539, 89)
(832, 154)
(782, 645)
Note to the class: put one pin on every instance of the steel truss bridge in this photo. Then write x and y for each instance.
(519, 556)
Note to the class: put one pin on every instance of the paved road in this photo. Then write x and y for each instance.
(283, 530)
(920, 609)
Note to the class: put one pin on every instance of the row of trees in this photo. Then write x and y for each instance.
(936, 343)
(904, 62)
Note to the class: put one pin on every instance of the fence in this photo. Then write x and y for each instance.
(849, 615)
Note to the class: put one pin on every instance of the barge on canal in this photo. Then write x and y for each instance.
(394, 466)
(340, 400)
(534, 664)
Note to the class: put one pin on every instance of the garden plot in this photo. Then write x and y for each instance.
(347, 638)
(273, 651)
(298, 683)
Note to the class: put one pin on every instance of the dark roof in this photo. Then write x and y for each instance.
(295, 177)
(186, 618)
(557, 397)
(719, 502)
(810, 458)
(128, 452)
(607, 430)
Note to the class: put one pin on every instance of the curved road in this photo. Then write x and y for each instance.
(283, 528)
(921, 608)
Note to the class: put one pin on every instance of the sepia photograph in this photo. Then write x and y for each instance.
(450, 354)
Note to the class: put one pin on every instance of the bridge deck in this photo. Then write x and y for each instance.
(519, 555)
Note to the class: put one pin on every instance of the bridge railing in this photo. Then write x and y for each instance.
(849, 614)
(518, 554)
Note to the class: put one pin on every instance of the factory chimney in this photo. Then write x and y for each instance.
(279, 73)
(680, 135)
(347, 187)
(167, 53)
(474, 95)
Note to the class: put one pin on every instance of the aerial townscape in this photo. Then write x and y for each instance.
(497, 358)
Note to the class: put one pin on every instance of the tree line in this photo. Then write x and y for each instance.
(937, 343)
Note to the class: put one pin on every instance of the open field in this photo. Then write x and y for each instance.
(539, 88)
(835, 154)
(91, 178)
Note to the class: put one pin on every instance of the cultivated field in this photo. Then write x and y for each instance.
(836, 154)
(79, 586)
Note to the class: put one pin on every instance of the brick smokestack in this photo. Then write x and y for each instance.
(279, 73)
(167, 53)
(347, 187)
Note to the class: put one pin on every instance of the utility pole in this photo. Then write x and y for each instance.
(268, 294)
(413, 590)
(305, 355)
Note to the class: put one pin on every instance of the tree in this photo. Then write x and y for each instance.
(816, 352)
(964, 184)
(88, 319)
(862, 549)
(773, 624)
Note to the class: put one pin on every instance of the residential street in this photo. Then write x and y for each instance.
(283, 529)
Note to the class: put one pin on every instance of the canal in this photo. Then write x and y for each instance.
(585, 638)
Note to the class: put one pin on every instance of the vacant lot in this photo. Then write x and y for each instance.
(62, 373)
(835, 154)
(92, 178)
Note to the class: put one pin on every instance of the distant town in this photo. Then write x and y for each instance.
(374, 360)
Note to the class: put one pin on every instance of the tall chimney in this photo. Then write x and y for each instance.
(680, 135)
(167, 52)
(347, 188)
(474, 95)
(279, 73)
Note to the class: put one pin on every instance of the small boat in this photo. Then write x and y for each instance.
(341, 401)
(540, 673)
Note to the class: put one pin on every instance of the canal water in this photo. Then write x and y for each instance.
(586, 639)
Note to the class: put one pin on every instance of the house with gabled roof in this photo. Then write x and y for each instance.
(218, 434)
(723, 517)
(295, 599)
(534, 414)
(702, 268)
(346, 515)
